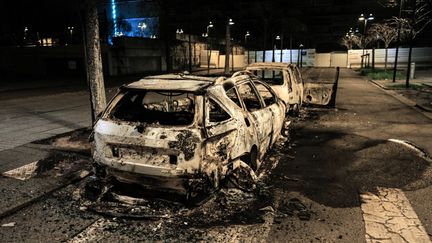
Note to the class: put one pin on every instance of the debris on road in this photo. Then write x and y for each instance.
(11, 224)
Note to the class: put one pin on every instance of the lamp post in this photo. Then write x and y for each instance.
(209, 45)
(398, 42)
(227, 44)
(25, 34)
(280, 38)
(365, 20)
(71, 29)
(246, 37)
(300, 57)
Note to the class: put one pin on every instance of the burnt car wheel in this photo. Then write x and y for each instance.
(251, 158)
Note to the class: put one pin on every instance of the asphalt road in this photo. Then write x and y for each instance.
(338, 163)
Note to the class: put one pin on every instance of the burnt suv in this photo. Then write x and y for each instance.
(171, 131)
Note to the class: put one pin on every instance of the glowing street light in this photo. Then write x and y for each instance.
(363, 18)
(246, 37)
(179, 31)
(70, 29)
(228, 45)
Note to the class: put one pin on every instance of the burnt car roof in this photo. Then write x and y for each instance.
(270, 65)
(180, 82)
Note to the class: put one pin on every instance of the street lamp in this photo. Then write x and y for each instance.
(71, 29)
(280, 38)
(228, 45)
(209, 44)
(179, 31)
(246, 37)
(25, 33)
(300, 57)
(365, 20)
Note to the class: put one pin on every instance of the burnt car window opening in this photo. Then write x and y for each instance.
(152, 107)
(268, 97)
(217, 113)
(232, 94)
(249, 96)
(272, 77)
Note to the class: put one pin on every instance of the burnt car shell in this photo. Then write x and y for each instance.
(163, 145)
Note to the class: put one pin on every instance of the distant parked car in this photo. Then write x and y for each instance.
(285, 79)
(179, 131)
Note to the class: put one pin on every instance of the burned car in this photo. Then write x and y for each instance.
(174, 132)
(285, 79)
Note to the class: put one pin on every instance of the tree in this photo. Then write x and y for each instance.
(93, 58)
(362, 41)
(347, 41)
(419, 17)
(386, 33)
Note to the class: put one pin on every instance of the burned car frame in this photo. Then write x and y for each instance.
(172, 132)
(286, 81)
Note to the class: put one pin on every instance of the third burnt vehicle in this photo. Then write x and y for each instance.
(175, 132)
(285, 79)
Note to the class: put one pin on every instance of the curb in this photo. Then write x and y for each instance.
(425, 111)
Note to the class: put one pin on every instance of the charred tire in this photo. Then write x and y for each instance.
(295, 110)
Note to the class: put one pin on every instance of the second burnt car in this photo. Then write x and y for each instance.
(285, 79)
(174, 132)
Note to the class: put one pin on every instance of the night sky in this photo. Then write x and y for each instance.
(310, 22)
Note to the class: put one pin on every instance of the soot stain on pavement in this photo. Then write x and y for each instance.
(332, 166)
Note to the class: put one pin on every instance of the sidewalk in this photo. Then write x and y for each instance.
(419, 93)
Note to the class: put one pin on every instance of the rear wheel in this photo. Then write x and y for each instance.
(295, 110)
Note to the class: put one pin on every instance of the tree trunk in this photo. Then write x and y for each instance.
(94, 59)
(407, 84)
(385, 59)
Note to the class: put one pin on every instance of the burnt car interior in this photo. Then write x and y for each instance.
(272, 77)
(249, 96)
(265, 93)
(217, 113)
(154, 107)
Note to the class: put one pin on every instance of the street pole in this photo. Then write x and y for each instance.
(190, 53)
(411, 43)
(227, 48)
(232, 59)
(94, 59)
(290, 48)
(397, 43)
(301, 55)
(281, 48)
(209, 56)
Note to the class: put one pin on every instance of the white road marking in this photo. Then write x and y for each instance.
(23, 173)
(389, 217)
(411, 146)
